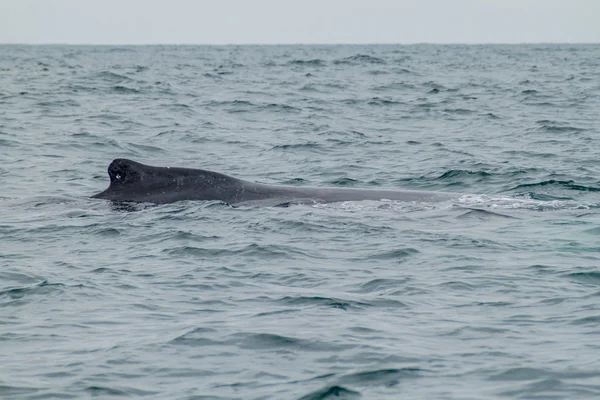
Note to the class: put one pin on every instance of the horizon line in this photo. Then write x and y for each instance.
(298, 44)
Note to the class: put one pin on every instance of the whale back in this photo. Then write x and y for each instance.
(136, 182)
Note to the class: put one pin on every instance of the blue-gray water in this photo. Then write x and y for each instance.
(492, 296)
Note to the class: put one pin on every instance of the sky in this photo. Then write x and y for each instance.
(292, 21)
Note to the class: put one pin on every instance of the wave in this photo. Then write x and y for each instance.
(59, 103)
(344, 182)
(125, 90)
(41, 288)
(378, 101)
(359, 59)
(459, 111)
(590, 277)
(569, 185)
(323, 302)
(387, 378)
(404, 86)
(297, 146)
(112, 77)
(557, 127)
(462, 173)
(332, 392)
(256, 250)
(313, 62)
(239, 106)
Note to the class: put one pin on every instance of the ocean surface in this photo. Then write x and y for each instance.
(494, 295)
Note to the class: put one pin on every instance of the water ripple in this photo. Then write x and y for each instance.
(491, 295)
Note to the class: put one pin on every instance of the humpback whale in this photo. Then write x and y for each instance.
(131, 181)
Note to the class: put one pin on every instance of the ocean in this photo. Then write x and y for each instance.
(494, 295)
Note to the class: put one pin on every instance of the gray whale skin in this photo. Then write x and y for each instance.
(131, 181)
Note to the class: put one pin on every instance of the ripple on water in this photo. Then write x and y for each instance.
(491, 295)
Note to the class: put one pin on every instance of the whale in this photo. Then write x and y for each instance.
(131, 181)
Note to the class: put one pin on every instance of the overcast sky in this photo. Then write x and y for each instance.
(306, 21)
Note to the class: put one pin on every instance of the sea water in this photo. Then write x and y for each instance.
(494, 295)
